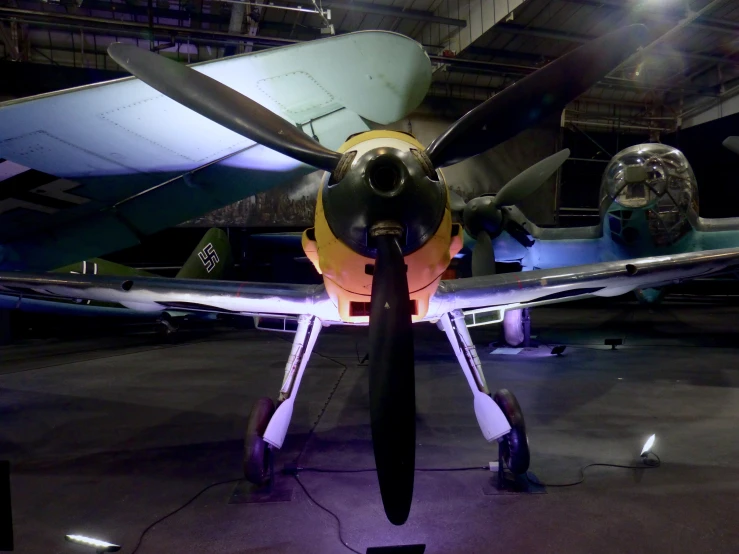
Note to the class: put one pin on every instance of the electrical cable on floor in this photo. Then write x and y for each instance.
(293, 471)
(182, 507)
(325, 404)
(332, 514)
(648, 464)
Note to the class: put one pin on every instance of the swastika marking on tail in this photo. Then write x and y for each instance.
(209, 257)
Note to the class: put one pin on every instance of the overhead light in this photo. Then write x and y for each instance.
(647, 446)
(98, 545)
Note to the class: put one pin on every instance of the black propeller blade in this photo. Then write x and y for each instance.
(529, 180)
(483, 256)
(534, 97)
(392, 380)
(223, 105)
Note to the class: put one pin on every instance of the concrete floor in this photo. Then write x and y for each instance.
(106, 435)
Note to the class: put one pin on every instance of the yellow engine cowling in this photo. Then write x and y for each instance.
(344, 271)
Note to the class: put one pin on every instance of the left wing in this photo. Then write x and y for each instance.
(503, 291)
(151, 294)
(549, 286)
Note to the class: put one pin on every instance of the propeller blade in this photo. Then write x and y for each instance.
(535, 97)
(456, 202)
(392, 381)
(483, 256)
(732, 143)
(482, 214)
(526, 182)
(223, 105)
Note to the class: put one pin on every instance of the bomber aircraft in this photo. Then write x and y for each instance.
(648, 207)
(383, 237)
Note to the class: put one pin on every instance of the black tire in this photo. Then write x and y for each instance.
(256, 451)
(514, 447)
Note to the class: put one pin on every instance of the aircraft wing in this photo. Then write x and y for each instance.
(509, 290)
(151, 294)
(549, 286)
(88, 171)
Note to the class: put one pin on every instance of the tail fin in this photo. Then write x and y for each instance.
(209, 259)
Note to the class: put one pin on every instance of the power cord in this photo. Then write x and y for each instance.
(294, 469)
(344, 369)
(332, 514)
(182, 507)
(647, 464)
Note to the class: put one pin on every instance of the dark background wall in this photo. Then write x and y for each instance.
(716, 168)
(18, 80)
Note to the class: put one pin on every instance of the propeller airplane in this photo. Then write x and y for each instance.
(383, 236)
(648, 207)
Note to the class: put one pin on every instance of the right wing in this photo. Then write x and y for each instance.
(534, 288)
(88, 171)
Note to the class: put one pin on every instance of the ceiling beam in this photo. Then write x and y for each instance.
(582, 39)
(186, 14)
(663, 13)
(113, 27)
(480, 15)
(462, 65)
(389, 11)
(485, 92)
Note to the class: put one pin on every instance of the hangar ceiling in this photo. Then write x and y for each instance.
(688, 74)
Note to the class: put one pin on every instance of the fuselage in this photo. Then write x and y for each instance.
(347, 269)
(648, 207)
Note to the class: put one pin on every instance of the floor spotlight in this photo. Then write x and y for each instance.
(646, 451)
(97, 544)
(557, 350)
(647, 447)
(613, 343)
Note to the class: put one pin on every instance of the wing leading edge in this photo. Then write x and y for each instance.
(535, 288)
(510, 290)
(150, 294)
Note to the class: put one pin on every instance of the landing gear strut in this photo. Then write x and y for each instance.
(267, 427)
(500, 418)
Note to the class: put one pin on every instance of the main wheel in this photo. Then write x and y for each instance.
(256, 451)
(514, 333)
(514, 447)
